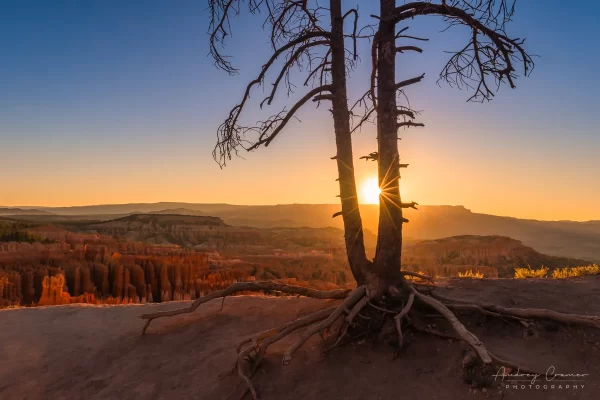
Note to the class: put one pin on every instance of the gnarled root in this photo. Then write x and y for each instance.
(262, 341)
(404, 305)
(246, 287)
(460, 329)
(528, 313)
(354, 297)
(398, 320)
(317, 322)
(475, 307)
(500, 362)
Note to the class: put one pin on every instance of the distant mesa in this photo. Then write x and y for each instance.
(178, 211)
(7, 211)
(183, 230)
(170, 218)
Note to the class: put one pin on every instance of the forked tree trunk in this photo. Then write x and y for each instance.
(389, 240)
(353, 231)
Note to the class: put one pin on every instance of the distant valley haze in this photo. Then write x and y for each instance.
(559, 238)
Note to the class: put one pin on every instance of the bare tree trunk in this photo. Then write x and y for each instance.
(353, 231)
(389, 240)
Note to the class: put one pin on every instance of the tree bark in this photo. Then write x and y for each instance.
(353, 231)
(389, 240)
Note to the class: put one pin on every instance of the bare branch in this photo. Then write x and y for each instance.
(219, 18)
(408, 124)
(374, 47)
(365, 103)
(323, 97)
(409, 205)
(411, 81)
(322, 67)
(294, 58)
(493, 57)
(270, 129)
(402, 49)
(374, 156)
(400, 35)
(407, 113)
(355, 12)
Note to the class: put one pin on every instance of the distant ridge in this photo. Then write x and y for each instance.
(178, 211)
(502, 253)
(21, 211)
(169, 218)
(559, 238)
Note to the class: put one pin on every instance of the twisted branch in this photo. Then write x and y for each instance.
(479, 60)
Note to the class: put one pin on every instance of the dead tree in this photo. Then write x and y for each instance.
(300, 37)
(487, 60)
(314, 36)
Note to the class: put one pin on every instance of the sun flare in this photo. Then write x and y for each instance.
(370, 191)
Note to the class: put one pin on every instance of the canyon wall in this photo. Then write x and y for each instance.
(91, 268)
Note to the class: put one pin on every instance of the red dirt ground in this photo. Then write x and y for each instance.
(95, 352)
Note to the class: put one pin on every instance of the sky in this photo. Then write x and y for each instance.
(106, 101)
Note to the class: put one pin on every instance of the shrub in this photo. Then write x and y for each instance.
(571, 272)
(470, 274)
(521, 273)
(412, 278)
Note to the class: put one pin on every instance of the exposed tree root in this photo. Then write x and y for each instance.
(288, 327)
(355, 312)
(435, 332)
(356, 295)
(460, 329)
(496, 360)
(530, 313)
(506, 363)
(249, 287)
(262, 341)
(355, 315)
(398, 319)
(356, 309)
(383, 310)
(471, 307)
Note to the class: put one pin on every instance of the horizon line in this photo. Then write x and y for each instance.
(284, 204)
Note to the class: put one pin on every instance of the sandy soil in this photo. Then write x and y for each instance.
(93, 352)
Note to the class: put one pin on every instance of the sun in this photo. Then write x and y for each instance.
(370, 191)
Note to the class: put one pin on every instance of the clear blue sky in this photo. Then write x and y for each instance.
(117, 101)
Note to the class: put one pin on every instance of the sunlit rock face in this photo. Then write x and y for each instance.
(96, 269)
(182, 230)
(492, 255)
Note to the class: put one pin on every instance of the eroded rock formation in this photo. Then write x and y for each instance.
(91, 268)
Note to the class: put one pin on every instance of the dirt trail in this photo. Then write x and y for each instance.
(95, 352)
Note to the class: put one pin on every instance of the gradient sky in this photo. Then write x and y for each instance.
(114, 101)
